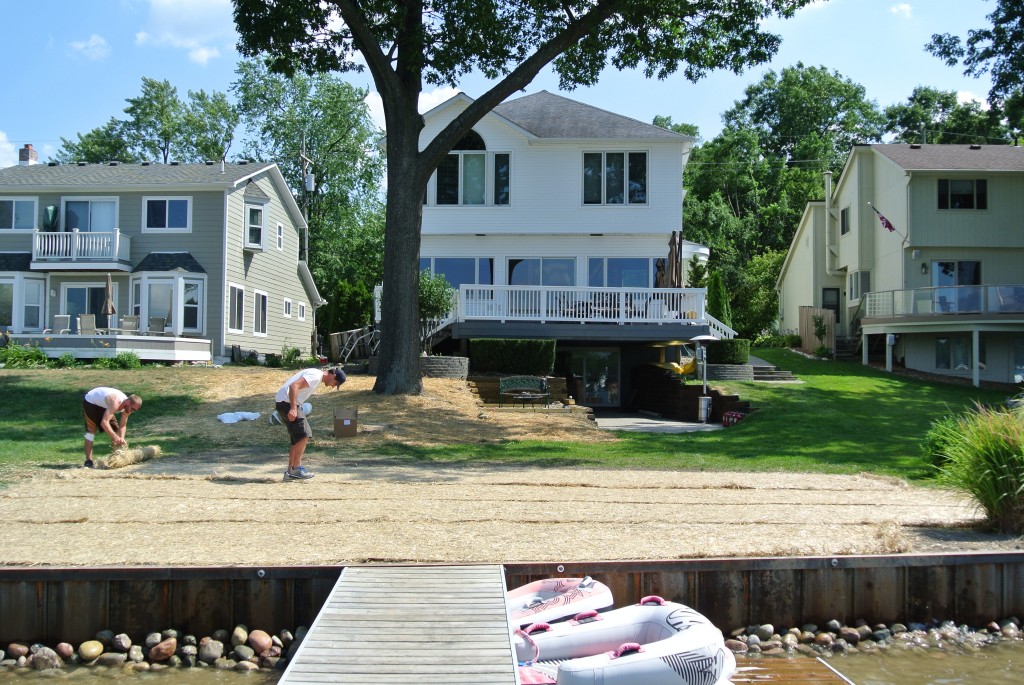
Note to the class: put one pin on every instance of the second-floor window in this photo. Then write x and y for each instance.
(963, 193)
(614, 178)
(471, 175)
(17, 213)
(844, 221)
(167, 214)
(255, 226)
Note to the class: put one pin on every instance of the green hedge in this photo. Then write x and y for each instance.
(500, 355)
(734, 351)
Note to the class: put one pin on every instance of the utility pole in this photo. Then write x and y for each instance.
(308, 185)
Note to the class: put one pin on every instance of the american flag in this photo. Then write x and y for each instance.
(885, 222)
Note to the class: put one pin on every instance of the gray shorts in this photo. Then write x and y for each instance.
(299, 428)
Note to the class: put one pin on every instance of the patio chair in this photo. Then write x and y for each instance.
(129, 324)
(61, 324)
(157, 324)
(87, 324)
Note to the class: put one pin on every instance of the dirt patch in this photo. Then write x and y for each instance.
(228, 505)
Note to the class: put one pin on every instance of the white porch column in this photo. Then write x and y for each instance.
(864, 348)
(890, 340)
(178, 304)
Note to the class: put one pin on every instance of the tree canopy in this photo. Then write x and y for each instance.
(407, 44)
(937, 116)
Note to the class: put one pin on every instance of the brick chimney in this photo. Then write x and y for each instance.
(28, 155)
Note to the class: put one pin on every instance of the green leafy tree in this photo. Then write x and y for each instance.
(696, 273)
(756, 291)
(436, 298)
(407, 44)
(208, 126)
(718, 299)
(103, 144)
(995, 50)
(326, 120)
(685, 129)
(937, 116)
(156, 119)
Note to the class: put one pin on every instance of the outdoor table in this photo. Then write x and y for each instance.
(525, 397)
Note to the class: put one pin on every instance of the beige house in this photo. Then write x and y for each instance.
(918, 252)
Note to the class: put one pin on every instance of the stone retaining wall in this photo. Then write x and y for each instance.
(433, 367)
(730, 372)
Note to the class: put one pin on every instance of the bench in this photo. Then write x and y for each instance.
(523, 389)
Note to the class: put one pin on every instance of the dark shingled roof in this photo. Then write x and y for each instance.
(254, 192)
(170, 261)
(127, 175)
(15, 261)
(954, 157)
(546, 115)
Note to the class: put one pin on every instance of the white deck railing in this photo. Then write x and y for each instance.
(80, 246)
(567, 303)
(964, 299)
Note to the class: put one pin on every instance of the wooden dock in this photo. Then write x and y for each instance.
(788, 671)
(409, 624)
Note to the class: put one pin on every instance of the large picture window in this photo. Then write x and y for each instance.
(620, 272)
(963, 193)
(469, 175)
(17, 213)
(954, 353)
(167, 214)
(614, 178)
(542, 271)
(90, 215)
(460, 270)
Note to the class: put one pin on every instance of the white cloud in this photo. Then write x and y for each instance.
(965, 96)
(202, 28)
(902, 9)
(8, 152)
(95, 48)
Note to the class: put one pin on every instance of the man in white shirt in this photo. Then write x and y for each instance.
(100, 406)
(288, 402)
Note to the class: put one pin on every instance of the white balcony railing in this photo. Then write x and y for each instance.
(79, 246)
(964, 299)
(575, 304)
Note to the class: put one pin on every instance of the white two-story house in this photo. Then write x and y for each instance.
(198, 258)
(940, 288)
(553, 219)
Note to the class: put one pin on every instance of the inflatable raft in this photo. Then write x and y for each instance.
(651, 643)
(546, 601)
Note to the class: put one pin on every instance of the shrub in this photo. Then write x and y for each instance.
(984, 458)
(272, 361)
(937, 440)
(822, 351)
(729, 351)
(65, 361)
(531, 357)
(290, 356)
(122, 360)
(15, 356)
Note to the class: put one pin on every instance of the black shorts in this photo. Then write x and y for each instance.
(94, 418)
(299, 428)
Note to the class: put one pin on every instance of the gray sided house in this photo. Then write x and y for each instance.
(176, 262)
(936, 286)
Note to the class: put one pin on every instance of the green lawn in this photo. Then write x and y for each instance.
(843, 418)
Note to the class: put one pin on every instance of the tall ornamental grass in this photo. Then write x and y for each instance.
(982, 454)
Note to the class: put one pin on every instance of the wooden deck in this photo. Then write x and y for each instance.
(410, 624)
(788, 671)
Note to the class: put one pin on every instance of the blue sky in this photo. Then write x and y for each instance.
(69, 65)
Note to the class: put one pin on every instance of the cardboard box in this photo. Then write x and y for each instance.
(345, 422)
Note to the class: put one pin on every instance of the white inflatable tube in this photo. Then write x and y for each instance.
(652, 643)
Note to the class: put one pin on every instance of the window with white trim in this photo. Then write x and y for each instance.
(302, 311)
(90, 214)
(192, 305)
(259, 312)
(614, 178)
(236, 308)
(167, 214)
(255, 225)
(470, 175)
(33, 312)
(280, 236)
(18, 213)
(287, 308)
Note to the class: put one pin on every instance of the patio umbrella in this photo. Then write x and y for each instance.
(672, 267)
(108, 304)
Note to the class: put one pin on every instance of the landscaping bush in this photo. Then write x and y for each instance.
(15, 356)
(122, 360)
(734, 351)
(983, 456)
(530, 357)
(65, 361)
(291, 357)
(937, 440)
(777, 340)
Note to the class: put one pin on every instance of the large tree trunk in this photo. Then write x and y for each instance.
(398, 371)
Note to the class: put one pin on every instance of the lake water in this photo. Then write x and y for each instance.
(1001, 664)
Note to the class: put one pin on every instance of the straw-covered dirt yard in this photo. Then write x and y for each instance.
(226, 504)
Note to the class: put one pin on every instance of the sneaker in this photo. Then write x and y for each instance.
(88, 464)
(299, 473)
